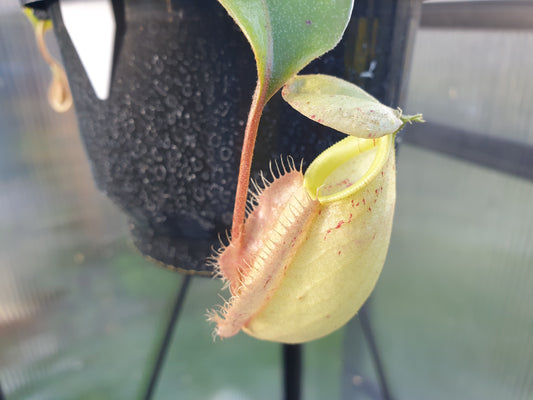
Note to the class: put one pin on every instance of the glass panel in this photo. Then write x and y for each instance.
(478, 80)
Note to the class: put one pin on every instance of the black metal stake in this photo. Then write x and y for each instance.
(2, 397)
(164, 346)
(368, 333)
(292, 371)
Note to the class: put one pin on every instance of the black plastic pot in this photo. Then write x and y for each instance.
(165, 146)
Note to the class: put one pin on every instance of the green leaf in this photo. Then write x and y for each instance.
(343, 106)
(286, 35)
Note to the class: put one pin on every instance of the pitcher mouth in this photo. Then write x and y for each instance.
(325, 179)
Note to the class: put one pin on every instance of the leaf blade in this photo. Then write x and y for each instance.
(286, 35)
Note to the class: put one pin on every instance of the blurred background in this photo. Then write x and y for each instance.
(82, 312)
